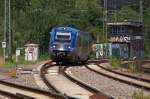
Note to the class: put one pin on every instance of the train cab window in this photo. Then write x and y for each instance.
(63, 36)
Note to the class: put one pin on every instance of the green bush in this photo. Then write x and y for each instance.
(115, 63)
(21, 60)
(139, 95)
(1, 51)
(44, 56)
(93, 55)
(9, 65)
(133, 67)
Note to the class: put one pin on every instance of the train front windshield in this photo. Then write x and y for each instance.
(63, 37)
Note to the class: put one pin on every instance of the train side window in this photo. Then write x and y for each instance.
(79, 41)
(84, 40)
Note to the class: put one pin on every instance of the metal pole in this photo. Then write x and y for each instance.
(97, 38)
(141, 11)
(105, 26)
(115, 11)
(106, 21)
(9, 29)
(7, 44)
(5, 30)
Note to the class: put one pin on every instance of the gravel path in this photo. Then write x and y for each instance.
(108, 86)
(22, 79)
(25, 79)
(4, 97)
(127, 71)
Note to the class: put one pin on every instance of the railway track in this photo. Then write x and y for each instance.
(43, 71)
(146, 69)
(143, 68)
(131, 80)
(17, 91)
(63, 72)
(96, 93)
(10, 95)
(124, 74)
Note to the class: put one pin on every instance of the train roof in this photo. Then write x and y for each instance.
(65, 28)
(70, 29)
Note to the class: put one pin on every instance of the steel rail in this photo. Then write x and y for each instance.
(43, 71)
(23, 88)
(120, 73)
(119, 79)
(28, 89)
(8, 94)
(147, 70)
(127, 75)
(97, 93)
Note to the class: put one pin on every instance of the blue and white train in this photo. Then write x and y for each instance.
(69, 45)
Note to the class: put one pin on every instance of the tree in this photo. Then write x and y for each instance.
(126, 13)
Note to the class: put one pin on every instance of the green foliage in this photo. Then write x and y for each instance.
(1, 51)
(9, 65)
(44, 56)
(115, 63)
(93, 55)
(33, 19)
(21, 60)
(139, 95)
(147, 32)
(125, 14)
(95, 31)
(134, 67)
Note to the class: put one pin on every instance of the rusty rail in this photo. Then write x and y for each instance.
(129, 76)
(31, 89)
(96, 93)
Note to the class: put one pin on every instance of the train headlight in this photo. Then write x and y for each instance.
(54, 46)
(69, 47)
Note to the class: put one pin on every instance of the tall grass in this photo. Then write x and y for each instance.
(115, 63)
(6, 64)
(1, 57)
(9, 65)
(1, 60)
(139, 95)
(21, 60)
(92, 55)
(44, 56)
(135, 67)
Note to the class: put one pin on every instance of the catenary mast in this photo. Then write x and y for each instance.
(7, 32)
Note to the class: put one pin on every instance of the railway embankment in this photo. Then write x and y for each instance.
(107, 85)
(23, 75)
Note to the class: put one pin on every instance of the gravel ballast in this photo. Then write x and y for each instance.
(109, 86)
(4, 97)
(26, 79)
